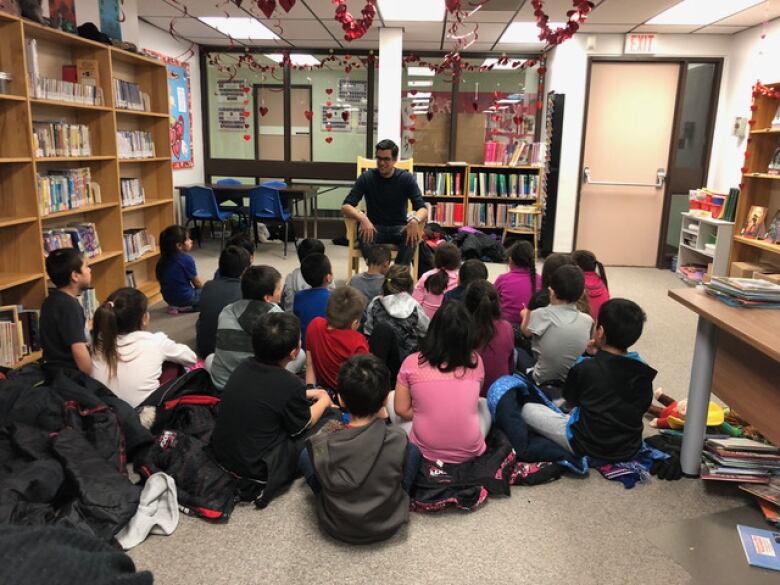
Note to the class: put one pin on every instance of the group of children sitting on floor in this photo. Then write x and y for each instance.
(393, 355)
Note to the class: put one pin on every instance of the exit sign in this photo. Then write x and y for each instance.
(640, 44)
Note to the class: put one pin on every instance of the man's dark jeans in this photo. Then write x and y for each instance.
(391, 234)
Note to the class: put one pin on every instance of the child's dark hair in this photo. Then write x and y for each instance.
(121, 313)
(481, 299)
(446, 257)
(450, 341)
(233, 261)
(586, 260)
(345, 306)
(363, 384)
(397, 280)
(623, 321)
(170, 238)
(568, 283)
(259, 281)
(242, 240)
(315, 268)
(62, 263)
(377, 255)
(471, 270)
(309, 246)
(275, 336)
(552, 263)
(522, 256)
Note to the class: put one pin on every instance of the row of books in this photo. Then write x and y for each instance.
(132, 192)
(447, 214)
(82, 236)
(495, 215)
(79, 83)
(61, 139)
(767, 497)
(514, 153)
(134, 144)
(137, 242)
(525, 186)
(130, 278)
(692, 273)
(89, 303)
(128, 96)
(59, 190)
(745, 292)
(19, 333)
(433, 183)
(740, 460)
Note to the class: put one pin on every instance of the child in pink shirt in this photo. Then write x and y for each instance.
(438, 389)
(430, 289)
(596, 288)
(516, 287)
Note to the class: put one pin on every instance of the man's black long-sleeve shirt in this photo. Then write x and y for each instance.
(386, 199)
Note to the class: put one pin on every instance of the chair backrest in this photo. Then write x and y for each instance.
(364, 164)
(229, 182)
(201, 202)
(266, 203)
(274, 184)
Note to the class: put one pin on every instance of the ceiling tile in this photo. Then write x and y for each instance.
(184, 26)
(158, 8)
(325, 9)
(606, 28)
(421, 31)
(210, 40)
(499, 16)
(666, 28)
(422, 45)
(300, 29)
(720, 30)
(620, 11)
(206, 8)
(752, 16)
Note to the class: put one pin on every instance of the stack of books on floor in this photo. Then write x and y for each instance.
(19, 334)
(740, 460)
(745, 292)
(768, 499)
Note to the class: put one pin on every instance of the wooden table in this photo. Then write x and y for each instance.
(737, 356)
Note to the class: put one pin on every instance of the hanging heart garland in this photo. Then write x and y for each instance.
(580, 11)
(354, 28)
(267, 7)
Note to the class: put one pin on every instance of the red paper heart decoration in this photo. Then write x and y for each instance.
(329, 139)
(412, 128)
(328, 115)
(413, 92)
(266, 7)
(328, 128)
(429, 115)
(246, 125)
(575, 17)
(517, 120)
(329, 91)
(309, 115)
(246, 102)
(345, 115)
(744, 170)
(411, 140)
(354, 28)
(328, 103)
(452, 5)
(263, 110)
(245, 90)
(246, 114)
(413, 117)
(348, 69)
(287, 4)
(247, 137)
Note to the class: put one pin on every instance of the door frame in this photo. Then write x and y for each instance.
(287, 117)
(682, 62)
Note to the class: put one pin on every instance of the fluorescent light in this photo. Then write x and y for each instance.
(412, 10)
(295, 58)
(422, 102)
(239, 27)
(509, 101)
(419, 83)
(498, 66)
(695, 12)
(420, 71)
(526, 33)
(419, 94)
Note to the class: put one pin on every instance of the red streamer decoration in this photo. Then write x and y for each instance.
(354, 28)
(580, 11)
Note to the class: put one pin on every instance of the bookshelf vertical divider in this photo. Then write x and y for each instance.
(23, 217)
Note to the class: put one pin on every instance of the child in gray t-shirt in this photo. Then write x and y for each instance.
(370, 282)
(559, 332)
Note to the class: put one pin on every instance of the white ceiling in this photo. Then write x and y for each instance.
(311, 24)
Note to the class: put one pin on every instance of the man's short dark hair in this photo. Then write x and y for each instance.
(623, 321)
(363, 384)
(345, 306)
(233, 261)
(309, 246)
(242, 240)
(315, 269)
(568, 282)
(388, 144)
(471, 270)
(377, 255)
(274, 336)
(259, 281)
(61, 264)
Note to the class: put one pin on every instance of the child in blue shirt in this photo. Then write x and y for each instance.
(176, 272)
(313, 302)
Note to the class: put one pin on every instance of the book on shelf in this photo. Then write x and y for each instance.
(128, 96)
(137, 242)
(70, 88)
(440, 183)
(81, 236)
(776, 119)
(19, 334)
(63, 189)
(130, 278)
(774, 164)
(510, 185)
(762, 547)
(89, 303)
(60, 139)
(88, 71)
(495, 215)
(447, 214)
(132, 191)
(134, 144)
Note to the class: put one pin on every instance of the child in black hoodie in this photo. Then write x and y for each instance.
(361, 472)
(610, 392)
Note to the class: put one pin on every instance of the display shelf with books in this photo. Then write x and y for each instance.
(146, 74)
(19, 336)
(59, 132)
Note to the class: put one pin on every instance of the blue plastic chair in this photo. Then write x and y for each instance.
(201, 204)
(265, 204)
(238, 203)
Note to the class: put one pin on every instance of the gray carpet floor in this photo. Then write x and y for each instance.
(579, 531)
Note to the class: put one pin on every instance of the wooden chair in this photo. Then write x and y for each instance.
(530, 212)
(353, 248)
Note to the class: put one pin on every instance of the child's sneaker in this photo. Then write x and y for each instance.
(176, 310)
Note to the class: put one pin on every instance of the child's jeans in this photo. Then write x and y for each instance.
(548, 423)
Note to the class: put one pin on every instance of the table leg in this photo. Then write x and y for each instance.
(305, 218)
(316, 215)
(698, 396)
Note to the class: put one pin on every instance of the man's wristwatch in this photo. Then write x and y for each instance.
(413, 218)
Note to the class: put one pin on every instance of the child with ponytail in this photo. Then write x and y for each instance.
(516, 287)
(125, 357)
(180, 285)
(494, 336)
(596, 287)
(430, 289)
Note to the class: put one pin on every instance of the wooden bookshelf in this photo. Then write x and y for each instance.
(759, 187)
(23, 279)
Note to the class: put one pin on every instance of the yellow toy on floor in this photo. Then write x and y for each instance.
(672, 416)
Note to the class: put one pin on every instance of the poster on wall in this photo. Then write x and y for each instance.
(110, 17)
(353, 91)
(231, 104)
(180, 110)
(62, 14)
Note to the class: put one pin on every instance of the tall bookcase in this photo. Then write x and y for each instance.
(22, 217)
(759, 187)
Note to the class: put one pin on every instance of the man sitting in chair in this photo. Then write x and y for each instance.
(387, 191)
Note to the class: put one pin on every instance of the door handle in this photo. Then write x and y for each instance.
(660, 177)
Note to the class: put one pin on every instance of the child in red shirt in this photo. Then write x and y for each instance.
(332, 341)
(596, 287)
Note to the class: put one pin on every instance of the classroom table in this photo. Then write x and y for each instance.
(737, 356)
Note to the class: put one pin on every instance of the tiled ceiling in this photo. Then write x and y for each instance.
(311, 24)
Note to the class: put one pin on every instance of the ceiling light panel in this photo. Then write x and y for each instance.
(699, 12)
(525, 33)
(411, 10)
(239, 28)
